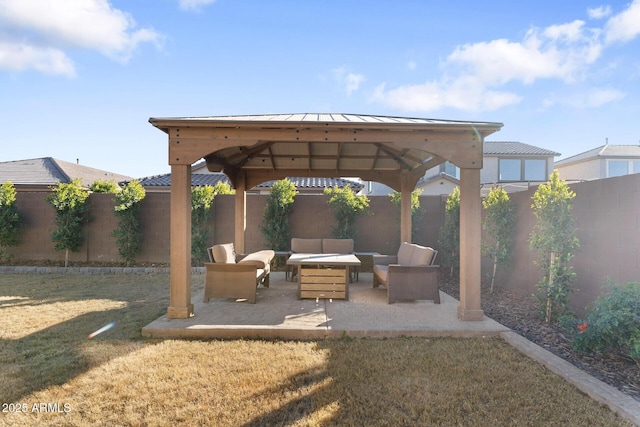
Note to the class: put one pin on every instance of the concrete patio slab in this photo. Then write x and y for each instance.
(278, 313)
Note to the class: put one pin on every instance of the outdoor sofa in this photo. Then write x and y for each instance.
(318, 246)
(409, 275)
(230, 275)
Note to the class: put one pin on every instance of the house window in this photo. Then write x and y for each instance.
(535, 170)
(510, 169)
(618, 168)
(522, 169)
(622, 167)
(450, 169)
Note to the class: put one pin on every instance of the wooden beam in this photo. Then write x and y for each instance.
(407, 186)
(187, 145)
(240, 212)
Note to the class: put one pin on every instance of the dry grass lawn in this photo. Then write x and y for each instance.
(118, 378)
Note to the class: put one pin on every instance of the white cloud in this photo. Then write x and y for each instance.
(411, 65)
(21, 57)
(624, 26)
(475, 73)
(559, 51)
(598, 98)
(194, 5)
(351, 81)
(55, 25)
(599, 12)
(591, 98)
(461, 94)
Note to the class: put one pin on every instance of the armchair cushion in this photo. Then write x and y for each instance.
(382, 272)
(261, 259)
(422, 256)
(224, 253)
(404, 253)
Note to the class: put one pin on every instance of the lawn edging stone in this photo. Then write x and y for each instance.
(620, 403)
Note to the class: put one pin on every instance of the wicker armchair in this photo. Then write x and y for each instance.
(409, 275)
(230, 275)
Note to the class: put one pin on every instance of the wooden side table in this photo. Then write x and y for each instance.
(360, 256)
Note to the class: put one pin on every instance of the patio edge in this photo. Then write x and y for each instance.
(28, 269)
(623, 405)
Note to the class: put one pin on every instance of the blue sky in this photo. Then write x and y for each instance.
(79, 79)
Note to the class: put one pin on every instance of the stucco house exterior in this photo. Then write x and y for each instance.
(42, 173)
(605, 161)
(513, 165)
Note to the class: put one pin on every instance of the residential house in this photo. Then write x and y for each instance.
(605, 161)
(42, 173)
(515, 166)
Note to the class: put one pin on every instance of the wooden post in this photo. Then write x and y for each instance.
(180, 306)
(470, 240)
(405, 209)
(240, 213)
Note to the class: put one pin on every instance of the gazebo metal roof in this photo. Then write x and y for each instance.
(326, 118)
(375, 148)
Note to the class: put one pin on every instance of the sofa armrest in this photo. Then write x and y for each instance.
(413, 283)
(413, 269)
(232, 280)
(230, 268)
(385, 259)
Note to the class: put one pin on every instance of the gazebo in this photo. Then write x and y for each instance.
(395, 151)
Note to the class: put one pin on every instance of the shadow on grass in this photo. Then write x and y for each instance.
(297, 409)
(59, 352)
(440, 381)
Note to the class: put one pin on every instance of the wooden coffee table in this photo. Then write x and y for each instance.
(323, 275)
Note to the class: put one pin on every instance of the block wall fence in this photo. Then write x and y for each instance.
(607, 214)
(310, 218)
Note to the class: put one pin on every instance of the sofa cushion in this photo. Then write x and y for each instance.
(404, 253)
(224, 253)
(382, 271)
(421, 255)
(261, 259)
(337, 246)
(306, 246)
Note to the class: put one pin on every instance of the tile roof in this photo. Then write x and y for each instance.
(442, 175)
(515, 148)
(604, 151)
(198, 179)
(304, 182)
(47, 171)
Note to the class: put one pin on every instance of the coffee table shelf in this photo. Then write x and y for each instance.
(324, 283)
